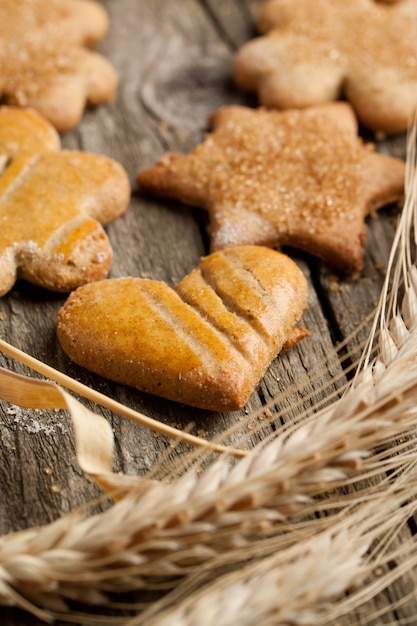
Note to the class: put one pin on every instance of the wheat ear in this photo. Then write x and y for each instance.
(313, 573)
(173, 530)
(166, 530)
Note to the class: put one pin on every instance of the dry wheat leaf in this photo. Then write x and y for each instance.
(35, 393)
(93, 434)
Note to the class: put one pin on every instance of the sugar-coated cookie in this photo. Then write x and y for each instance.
(53, 204)
(206, 343)
(299, 177)
(44, 60)
(316, 51)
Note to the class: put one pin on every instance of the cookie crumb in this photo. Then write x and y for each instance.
(334, 284)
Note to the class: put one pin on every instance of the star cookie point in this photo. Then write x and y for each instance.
(301, 178)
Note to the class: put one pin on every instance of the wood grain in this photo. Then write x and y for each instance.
(173, 59)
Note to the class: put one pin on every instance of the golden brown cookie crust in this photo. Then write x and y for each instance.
(300, 177)
(53, 205)
(314, 52)
(206, 343)
(44, 60)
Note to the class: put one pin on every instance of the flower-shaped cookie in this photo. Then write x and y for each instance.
(300, 177)
(44, 63)
(52, 205)
(315, 51)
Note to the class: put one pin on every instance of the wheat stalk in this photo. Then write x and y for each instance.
(172, 530)
(396, 317)
(167, 529)
(313, 573)
(36, 393)
(181, 529)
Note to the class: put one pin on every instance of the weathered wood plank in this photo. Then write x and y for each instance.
(174, 60)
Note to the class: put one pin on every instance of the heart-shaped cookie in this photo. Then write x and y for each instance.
(207, 342)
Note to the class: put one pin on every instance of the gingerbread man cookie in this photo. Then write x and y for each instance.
(315, 52)
(52, 206)
(300, 177)
(206, 343)
(44, 62)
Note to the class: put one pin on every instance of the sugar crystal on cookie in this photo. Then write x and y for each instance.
(314, 52)
(299, 177)
(44, 61)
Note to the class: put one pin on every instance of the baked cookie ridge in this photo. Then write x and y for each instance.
(207, 342)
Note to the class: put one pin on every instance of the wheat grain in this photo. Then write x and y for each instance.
(185, 529)
(166, 530)
(321, 569)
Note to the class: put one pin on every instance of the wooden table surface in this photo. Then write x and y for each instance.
(174, 60)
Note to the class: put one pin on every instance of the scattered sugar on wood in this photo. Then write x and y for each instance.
(35, 421)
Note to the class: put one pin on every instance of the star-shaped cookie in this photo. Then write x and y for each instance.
(52, 206)
(299, 177)
(316, 51)
(44, 61)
